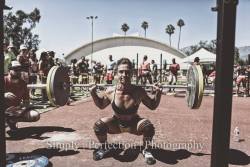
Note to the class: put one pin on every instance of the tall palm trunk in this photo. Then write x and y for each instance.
(179, 38)
(170, 39)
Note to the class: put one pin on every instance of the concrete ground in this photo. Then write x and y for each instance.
(183, 136)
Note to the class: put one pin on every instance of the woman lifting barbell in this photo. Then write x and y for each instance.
(125, 99)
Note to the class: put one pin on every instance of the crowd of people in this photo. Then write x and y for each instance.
(148, 71)
(32, 69)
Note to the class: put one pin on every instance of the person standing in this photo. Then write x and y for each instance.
(23, 59)
(110, 70)
(33, 70)
(43, 72)
(154, 68)
(144, 71)
(173, 68)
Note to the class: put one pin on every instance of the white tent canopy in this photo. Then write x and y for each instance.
(204, 55)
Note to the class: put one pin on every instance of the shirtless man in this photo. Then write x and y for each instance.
(173, 68)
(145, 71)
(125, 99)
(17, 93)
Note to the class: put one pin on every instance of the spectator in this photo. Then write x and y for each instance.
(7, 58)
(75, 72)
(241, 78)
(196, 61)
(33, 70)
(43, 68)
(23, 59)
(11, 51)
(110, 68)
(154, 70)
(144, 71)
(97, 71)
(173, 68)
(51, 56)
(83, 71)
(16, 92)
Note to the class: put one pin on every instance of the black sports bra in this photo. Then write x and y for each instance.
(131, 110)
(117, 110)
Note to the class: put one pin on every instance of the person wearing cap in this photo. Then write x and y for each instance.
(11, 51)
(17, 98)
(173, 68)
(23, 59)
(9, 56)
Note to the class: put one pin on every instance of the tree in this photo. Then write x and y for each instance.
(125, 28)
(144, 25)
(170, 30)
(211, 47)
(180, 23)
(18, 28)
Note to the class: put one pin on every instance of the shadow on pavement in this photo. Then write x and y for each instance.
(36, 132)
(128, 155)
(165, 156)
(172, 157)
(237, 157)
(49, 153)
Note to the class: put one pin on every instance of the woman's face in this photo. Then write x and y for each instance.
(124, 74)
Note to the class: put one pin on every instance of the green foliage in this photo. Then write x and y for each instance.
(170, 30)
(144, 25)
(211, 47)
(18, 28)
(125, 27)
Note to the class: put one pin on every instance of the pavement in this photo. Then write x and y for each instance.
(183, 136)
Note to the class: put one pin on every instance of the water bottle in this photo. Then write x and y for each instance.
(236, 134)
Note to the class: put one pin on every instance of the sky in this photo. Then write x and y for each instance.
(63, 26)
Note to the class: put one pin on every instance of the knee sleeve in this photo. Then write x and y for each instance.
(32, 116)
(146, 128)
(100, 128)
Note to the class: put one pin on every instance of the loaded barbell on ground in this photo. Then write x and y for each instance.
(58, 86)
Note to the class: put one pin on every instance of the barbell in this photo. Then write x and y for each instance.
(58, 86)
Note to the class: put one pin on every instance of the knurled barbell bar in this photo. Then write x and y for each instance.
(58, 86)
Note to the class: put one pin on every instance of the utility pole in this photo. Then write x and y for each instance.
(92, 38)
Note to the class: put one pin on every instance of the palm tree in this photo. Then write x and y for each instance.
(144, 25)
(170, 30)
(180, 23)
(125, 28)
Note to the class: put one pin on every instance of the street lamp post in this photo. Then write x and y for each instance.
(92, 37)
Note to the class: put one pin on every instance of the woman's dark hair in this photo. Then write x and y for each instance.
(125, 61)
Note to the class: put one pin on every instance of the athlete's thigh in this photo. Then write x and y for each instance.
(113, 125)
